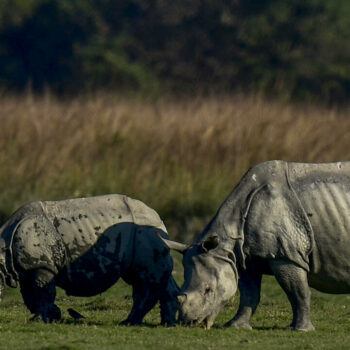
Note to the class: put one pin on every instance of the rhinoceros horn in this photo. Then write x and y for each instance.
(179, 247)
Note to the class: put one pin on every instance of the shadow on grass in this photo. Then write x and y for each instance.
(144, 324)
(85, 322)
(81, 322)
(256, 328)
(273, 328)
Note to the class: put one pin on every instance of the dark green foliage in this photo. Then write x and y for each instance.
(289, 48)
(40, 51)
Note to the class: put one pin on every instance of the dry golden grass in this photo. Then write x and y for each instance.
(182, 157)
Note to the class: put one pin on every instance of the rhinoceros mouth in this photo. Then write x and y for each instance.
(209, 320)
(191, 322)
(206, 321)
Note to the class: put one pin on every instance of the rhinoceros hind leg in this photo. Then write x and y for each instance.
(249, 286)
(38, 289)
(144, 300)
(293, 280)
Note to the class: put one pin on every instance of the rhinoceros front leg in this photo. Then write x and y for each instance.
(168, 303)
(144, 299)
(249, 287)
(38, 289)
(293, 280)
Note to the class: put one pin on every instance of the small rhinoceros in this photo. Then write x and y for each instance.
(291, 220)
(84, 246)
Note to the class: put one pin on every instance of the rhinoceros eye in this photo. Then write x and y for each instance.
(210, 243)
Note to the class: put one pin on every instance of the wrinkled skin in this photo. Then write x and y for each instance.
(290, 220)
(84, 246)
(210, 283)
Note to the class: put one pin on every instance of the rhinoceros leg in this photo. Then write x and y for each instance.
(168, 303)
(144, 299)
(38, 289)
(293, 280)
(249, 287)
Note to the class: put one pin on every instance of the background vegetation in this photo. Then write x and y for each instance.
(182, 157)
(289, 48)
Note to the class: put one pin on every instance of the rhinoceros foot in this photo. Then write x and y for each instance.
(302, 328)
(238, 324)
(128, 322)
(53, 314)
(169, 323)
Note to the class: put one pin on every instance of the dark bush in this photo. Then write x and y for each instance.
(290, 48)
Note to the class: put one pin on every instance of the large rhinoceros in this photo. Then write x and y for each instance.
(291, 220)
(84, 246)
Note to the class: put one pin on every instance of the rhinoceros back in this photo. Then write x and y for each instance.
(81, 222)
(324, 192)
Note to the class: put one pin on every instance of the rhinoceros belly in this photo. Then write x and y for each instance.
(101, 266)
(327, 205)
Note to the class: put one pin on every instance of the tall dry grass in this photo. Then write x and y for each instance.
(182, 157)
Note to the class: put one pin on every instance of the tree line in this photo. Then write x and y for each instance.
(287, 48)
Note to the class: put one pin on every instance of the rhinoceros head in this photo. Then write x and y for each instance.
(210, 280)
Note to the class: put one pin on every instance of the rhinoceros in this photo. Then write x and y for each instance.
(291, 220)
(84, 246)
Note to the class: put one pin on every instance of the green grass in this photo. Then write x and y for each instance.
(100, 330)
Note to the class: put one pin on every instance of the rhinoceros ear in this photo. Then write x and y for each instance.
(179, 247)
(211, 242)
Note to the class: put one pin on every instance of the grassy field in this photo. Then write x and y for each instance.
(100, 330)
(181, 157)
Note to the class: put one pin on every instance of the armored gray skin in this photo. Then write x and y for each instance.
(84, 246)
(291, 220)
